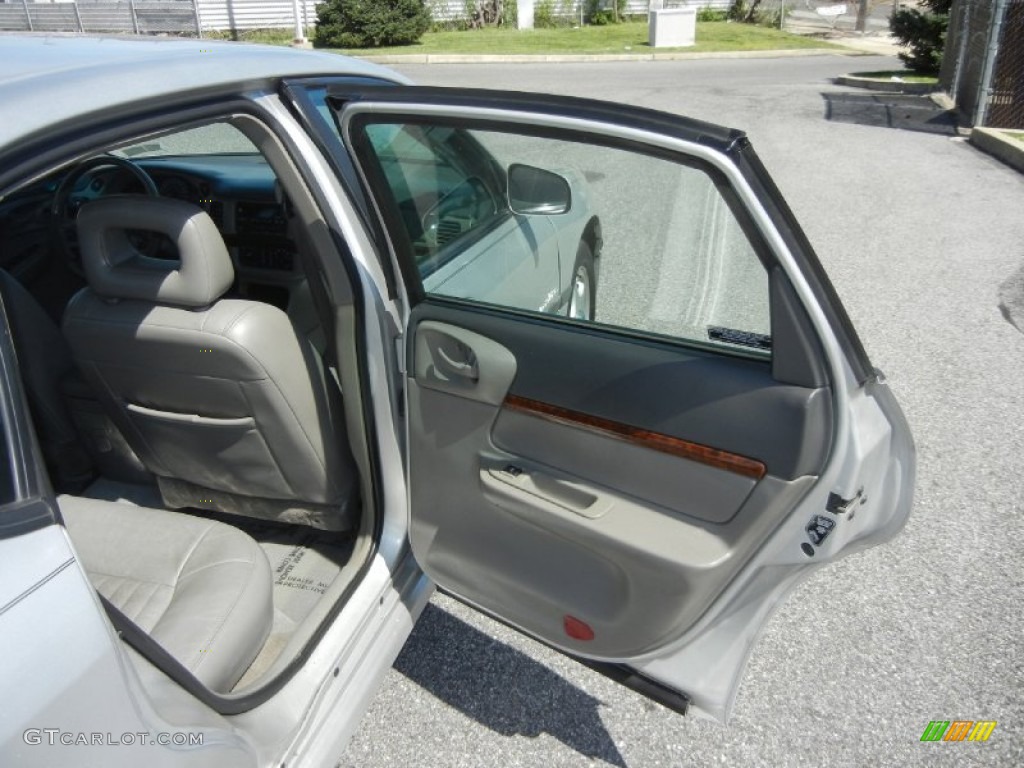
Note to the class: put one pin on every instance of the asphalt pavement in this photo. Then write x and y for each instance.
(918, 231)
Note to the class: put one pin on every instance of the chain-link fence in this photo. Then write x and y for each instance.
(1006, 100)
(983, 67)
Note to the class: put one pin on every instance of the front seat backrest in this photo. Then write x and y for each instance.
(45, 362)
(220, 398)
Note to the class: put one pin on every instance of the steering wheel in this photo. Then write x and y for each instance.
(65, 206)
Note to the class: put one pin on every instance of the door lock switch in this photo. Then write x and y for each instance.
(837, 505)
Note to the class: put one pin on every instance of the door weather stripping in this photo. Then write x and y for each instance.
(668, 697)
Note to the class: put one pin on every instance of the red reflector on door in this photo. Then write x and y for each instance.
(576, 629)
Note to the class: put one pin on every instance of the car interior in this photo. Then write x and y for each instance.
(162, 296)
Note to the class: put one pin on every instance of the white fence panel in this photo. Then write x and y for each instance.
(254, 14)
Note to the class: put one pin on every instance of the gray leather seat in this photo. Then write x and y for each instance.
(199, 588)
(221, 399)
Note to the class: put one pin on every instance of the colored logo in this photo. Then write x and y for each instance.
(958, 730)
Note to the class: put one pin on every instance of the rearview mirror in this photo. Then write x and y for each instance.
(536, 191)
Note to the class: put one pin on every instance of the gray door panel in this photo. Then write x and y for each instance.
(547, 518)
(686, 488)
(729, 403)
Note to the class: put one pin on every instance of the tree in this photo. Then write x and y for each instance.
(485, 13)
(370, 23)
(924, 33)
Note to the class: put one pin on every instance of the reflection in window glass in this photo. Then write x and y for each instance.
(671, 257)
(444, 185)
(213, 139)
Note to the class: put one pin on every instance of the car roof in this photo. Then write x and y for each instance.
(52, 79)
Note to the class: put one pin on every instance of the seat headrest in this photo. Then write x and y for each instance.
(115, 269)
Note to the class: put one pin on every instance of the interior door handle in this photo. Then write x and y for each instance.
(466, 369)
(455, 360)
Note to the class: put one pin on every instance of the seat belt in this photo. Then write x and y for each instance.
(322, 304)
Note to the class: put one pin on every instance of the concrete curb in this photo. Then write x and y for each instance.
(996, 143)
(890, 86)
(454, 58)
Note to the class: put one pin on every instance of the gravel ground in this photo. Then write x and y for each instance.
(918, 231)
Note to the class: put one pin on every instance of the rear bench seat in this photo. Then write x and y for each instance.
(200, 588)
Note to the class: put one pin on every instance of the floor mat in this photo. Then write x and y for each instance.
(304, 562)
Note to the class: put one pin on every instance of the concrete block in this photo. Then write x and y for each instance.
(672, 28)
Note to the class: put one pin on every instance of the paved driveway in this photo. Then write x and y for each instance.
(917, 230)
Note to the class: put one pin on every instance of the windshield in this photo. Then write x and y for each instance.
(214, 139)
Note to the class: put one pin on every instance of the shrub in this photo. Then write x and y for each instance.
(599, 12)
(370, 23)
(544, 14)
(924, 33)
(510, 16)
(707, 13)
(738, 10)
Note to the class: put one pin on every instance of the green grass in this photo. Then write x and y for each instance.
(1018, 136)
(630, 37)
(267, 36)
(904, 74)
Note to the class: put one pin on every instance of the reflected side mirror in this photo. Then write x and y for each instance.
(534, 191)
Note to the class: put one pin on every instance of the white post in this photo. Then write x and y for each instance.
(300, 40)
(199, 19)
(524, 14)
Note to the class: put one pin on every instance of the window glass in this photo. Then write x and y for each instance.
(609, 235)
(445, 185)
(213, 139)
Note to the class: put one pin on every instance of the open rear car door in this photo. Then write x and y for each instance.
(638, 490)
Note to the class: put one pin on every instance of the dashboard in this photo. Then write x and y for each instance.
(238, 191)
(241, 195)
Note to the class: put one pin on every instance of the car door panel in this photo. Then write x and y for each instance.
(688, 488)
(642, 490)
(731, 404)
(557, 520)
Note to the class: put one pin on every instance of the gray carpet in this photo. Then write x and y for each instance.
(304, 562)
